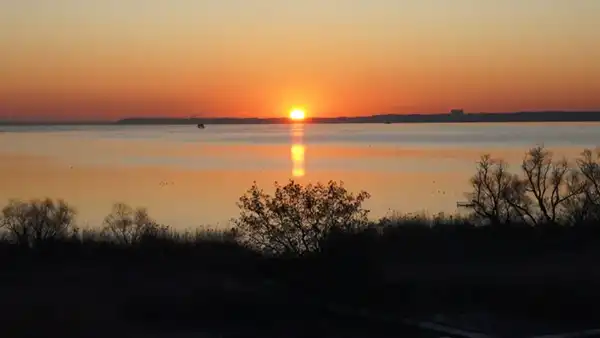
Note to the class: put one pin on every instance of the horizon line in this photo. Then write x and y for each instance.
(281, 118)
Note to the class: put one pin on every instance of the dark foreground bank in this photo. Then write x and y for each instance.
(539, 280)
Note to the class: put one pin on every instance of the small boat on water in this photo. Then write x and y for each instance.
(201, 126)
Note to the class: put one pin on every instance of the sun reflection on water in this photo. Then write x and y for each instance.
(297, 150)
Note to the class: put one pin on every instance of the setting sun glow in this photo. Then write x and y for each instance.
(297, 114)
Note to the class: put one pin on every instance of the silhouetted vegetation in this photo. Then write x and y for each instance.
(296, 220)
(37, 222)
(548, 192)
(307, 261)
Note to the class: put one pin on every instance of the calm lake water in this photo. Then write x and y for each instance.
(188, 177)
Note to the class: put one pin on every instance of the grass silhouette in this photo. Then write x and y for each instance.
(307, 261)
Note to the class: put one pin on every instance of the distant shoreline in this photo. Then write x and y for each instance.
(543, 116)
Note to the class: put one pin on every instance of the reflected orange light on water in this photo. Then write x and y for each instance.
(297, 160)
(297, 150)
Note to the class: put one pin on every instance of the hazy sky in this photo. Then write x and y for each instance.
(106, 59)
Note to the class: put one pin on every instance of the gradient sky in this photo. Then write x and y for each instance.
(80, 59)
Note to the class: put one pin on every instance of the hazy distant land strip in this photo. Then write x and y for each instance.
(452, 117)
(558, 116)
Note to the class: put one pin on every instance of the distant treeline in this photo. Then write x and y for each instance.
(542, 116)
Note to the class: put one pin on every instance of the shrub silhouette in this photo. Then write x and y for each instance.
(296, 219)
(127, 225)
(38, 221)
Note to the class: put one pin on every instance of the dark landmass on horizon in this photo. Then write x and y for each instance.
(453, 117)
(546, 116)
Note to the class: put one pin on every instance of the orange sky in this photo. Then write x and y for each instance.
(72, 59)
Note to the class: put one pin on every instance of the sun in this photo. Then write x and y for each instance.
(297, 114)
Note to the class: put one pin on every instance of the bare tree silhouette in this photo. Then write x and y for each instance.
(551, 184)
(585, 208)
(37, 221)
(547, 192)
(490, 184)
(127, 225)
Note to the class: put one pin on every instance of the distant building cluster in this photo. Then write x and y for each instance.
(457, 112)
